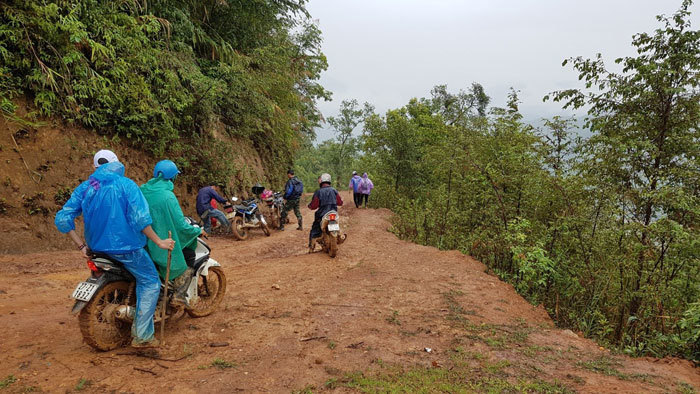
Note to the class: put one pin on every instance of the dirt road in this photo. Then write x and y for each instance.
(375, 308)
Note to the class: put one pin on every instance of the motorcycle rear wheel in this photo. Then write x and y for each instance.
(99, 327)
(210, 293)
(332, 246)
(238, 228)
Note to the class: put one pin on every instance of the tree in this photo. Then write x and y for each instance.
(349, 117)
(644, 151)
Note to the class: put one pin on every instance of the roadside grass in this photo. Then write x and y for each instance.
(218, 363)
(309, 389)
(609, 367)
(394, 318)
(685, 388)
(499, 337)
(9, 379)
(534, 350)
(455, 380)
(83, 384)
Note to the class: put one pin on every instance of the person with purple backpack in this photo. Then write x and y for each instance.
(364, 188)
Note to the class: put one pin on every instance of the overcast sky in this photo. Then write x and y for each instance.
(389, 51)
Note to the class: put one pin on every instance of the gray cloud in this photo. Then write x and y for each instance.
(388, 51)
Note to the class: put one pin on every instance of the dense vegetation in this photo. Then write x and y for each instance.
(170, 76)
(604, 231)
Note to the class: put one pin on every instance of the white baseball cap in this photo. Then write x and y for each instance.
(103, 157)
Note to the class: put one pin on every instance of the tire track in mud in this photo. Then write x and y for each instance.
(293, 319)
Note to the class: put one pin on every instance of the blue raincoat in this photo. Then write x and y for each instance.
(113, 208)
(115, 213)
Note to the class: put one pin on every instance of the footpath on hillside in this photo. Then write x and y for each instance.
(384, 315)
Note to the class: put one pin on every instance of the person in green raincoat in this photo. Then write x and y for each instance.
(167, 216)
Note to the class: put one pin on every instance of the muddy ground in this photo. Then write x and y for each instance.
(297, 321)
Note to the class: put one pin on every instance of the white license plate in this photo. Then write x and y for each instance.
(333, 227)
(84, 291)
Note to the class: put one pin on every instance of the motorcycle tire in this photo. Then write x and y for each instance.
(265, 229)
(210, 293)
(332, 246)
(99, 327)
(238, 229)
(276, 219)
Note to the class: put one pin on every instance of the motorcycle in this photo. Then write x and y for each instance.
(330, 235)
(245, 216)
(275, 205)
(106, 301)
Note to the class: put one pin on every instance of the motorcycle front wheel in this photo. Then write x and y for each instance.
(210, 291)
(238, 228)
(99, 327)
(265, 229)
(276, 218)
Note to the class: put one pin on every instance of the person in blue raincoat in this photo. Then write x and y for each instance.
(117, 222)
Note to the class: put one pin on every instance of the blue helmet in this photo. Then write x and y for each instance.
(165, 168)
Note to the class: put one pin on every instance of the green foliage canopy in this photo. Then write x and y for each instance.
(171, 77)
(602, 231)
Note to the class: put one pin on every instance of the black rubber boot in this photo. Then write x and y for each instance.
(299, 226)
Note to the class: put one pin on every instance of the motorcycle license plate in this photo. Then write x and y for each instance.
(84, 291)
(333, 227)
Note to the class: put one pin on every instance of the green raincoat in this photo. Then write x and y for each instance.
(167, 216)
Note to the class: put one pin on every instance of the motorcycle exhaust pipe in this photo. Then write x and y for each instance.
(125, 313)
(342, 239)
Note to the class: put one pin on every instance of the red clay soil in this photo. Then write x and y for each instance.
(293, 319)
(46, 164)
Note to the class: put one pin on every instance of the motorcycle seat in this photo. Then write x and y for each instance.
(240, 207)
(100, 255)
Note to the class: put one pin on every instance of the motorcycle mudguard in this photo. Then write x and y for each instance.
(100, 281)
(192, 294)
(204, 269)
(78, 306)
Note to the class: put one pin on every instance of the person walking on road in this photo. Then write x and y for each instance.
(354, 184)
(365, 188)
(206, 211)
(292, 193)
(117, 223)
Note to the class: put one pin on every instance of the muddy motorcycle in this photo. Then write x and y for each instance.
(275, 205)
(106, 301)
(330, 235)
(245, 216)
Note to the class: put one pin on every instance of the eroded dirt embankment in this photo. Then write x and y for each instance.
(379, 304)
(39, 168)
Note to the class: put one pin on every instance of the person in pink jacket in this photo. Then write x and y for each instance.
(365, 188)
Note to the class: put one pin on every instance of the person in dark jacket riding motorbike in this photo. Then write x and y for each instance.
(117, 223)
(325, 199)
(206, 211)
(167, 216)
(292, 193)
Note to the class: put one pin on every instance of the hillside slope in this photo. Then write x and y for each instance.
(375, 309)
(38, 174)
